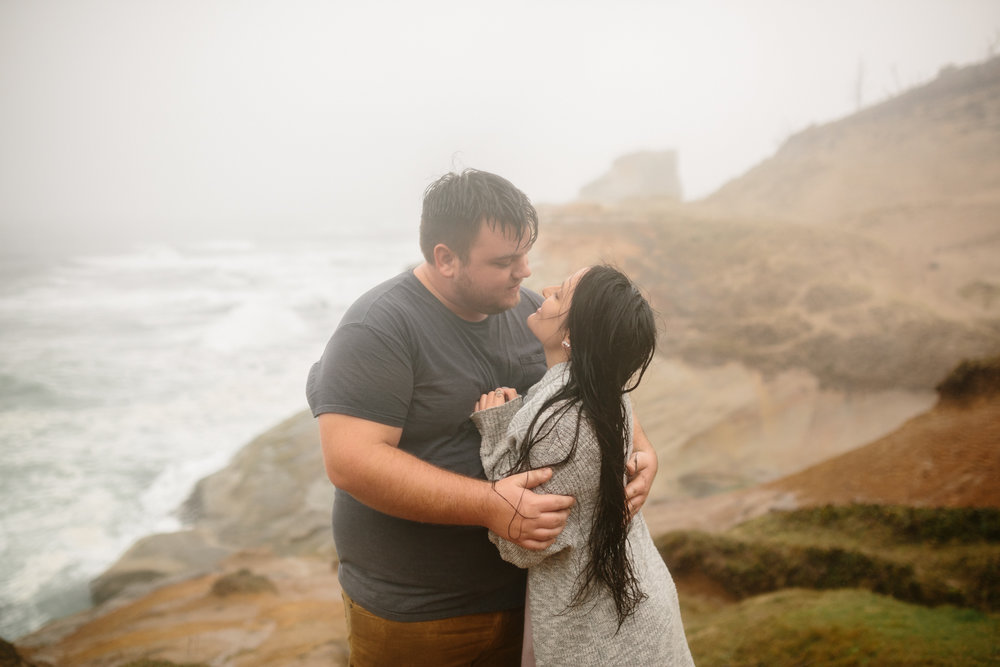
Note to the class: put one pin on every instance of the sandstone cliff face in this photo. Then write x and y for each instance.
(778, 296)
(917, 175)
(945, 456)
(931, 145)
(811, 305)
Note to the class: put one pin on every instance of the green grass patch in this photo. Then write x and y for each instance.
(882, 524)
(920, 555)
(845, 627)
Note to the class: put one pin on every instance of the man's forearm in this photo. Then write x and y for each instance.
(397, 483)
(361, 458)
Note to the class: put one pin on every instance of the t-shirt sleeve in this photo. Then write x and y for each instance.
(362, 373)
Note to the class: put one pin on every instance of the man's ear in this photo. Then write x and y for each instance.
(445, 261)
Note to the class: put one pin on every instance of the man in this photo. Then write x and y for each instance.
(393, 393)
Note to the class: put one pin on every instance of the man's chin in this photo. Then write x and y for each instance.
(514, 299)
(504, 306)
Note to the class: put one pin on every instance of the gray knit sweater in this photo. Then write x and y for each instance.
(584, 634)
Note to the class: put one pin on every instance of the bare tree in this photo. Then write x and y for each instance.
(859, 85)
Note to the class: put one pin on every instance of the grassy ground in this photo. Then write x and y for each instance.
(842, 627)
(928, 556)
(847, 585)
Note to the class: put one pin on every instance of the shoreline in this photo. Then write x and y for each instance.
(272, 495)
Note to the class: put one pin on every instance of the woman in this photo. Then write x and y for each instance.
(601, 594)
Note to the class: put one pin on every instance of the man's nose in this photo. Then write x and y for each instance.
(521, 268)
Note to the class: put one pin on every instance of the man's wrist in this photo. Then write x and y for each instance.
(488, 504)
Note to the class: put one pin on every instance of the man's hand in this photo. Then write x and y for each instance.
(528, 519)
(641, 469)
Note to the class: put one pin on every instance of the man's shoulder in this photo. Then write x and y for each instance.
(391, 298)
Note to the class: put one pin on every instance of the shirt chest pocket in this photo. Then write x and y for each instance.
(532, 368)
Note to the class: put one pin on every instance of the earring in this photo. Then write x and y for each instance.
(565, 344)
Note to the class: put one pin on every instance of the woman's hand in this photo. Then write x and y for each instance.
(498, 396)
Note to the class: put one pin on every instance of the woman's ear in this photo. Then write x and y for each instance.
(445, 261)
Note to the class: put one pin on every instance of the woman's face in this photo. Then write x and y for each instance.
(548, 323)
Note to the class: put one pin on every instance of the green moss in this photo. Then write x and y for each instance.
(884, 524)
(848, 627)
(971, 379)
(920, 555)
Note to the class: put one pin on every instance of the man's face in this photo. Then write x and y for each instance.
(489, 282)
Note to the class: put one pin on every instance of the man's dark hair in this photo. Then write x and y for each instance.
(455, 204)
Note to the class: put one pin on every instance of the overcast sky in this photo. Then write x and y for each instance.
(135, 117)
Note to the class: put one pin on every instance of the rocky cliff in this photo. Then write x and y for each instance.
(274, 495)
(811, 305)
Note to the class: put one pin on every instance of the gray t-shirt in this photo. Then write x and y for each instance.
(399, 357)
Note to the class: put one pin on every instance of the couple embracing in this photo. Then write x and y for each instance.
(512, 536)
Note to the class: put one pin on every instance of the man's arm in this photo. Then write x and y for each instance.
(641, 468)
(363, 458)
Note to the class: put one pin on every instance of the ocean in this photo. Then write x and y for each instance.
(127, 377)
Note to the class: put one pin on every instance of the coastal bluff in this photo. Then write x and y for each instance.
(251, 580)
(273, 495)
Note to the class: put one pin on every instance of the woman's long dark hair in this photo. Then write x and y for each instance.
(613, 336)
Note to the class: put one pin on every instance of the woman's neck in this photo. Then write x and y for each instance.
(556, 356)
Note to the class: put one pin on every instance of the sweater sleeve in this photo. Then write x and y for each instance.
(568, 478)
(497, 448)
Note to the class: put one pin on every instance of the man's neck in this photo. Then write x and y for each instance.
(437, 286)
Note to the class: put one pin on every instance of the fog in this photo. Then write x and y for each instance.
(143, 120)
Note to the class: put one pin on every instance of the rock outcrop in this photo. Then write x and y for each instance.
(946, 456)
(274, 494)
(643, 175)
(276, 610)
